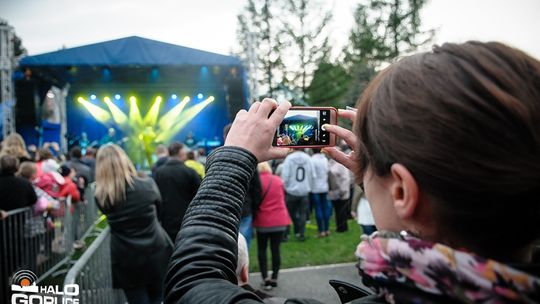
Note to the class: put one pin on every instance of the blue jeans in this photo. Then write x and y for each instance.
(246, 229)
(323, 210)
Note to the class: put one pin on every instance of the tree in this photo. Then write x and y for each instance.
(330, 83)
(257, 33)
(306, 34)
(384, 30)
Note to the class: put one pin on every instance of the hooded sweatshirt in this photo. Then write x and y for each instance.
(297, 173)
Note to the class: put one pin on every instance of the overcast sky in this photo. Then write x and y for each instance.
(47, 25)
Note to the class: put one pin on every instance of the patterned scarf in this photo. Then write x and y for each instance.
(391, 259)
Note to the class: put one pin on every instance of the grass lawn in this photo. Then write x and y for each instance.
(336, 248)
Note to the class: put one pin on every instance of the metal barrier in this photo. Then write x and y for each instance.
(42, 243)
(92, 272)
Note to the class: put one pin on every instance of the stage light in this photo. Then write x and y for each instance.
(135, 119)
(169, 119)
(118, 116)
(98, 113)
(117, 97)
(174, 96)
(200, 96)
(167, 133)
(151, 117)
(50, 95)
(93, 97)
(211, 98)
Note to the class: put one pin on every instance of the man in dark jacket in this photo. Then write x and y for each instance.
(76, 162)
(16, 192)
(178, 185)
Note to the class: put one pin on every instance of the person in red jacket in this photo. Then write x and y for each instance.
(271, 222)
(69, 188)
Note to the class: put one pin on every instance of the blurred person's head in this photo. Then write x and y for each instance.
(50, 165)
(14, 145)
(9, 164)
(162, 151)
(44, 154)
(90, 152)
(201, 152)
(27, 170)
(176, 150)
(190, 155)
(114, 171)
(449, 147)
(66, 171)
(75, 152)
(264, 167)
(242, 267)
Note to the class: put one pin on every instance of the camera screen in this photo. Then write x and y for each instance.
(303, 128)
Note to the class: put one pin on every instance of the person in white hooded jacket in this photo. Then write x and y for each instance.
(297, 173)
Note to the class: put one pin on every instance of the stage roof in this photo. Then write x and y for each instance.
(129, 51)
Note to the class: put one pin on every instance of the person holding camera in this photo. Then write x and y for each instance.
(446, 146)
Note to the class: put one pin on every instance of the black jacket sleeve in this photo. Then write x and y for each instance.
(202, 268)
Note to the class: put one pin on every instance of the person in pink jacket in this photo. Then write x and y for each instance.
(271, 221)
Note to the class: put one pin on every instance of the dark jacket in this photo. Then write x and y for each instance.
(178, 185)
(253, 197)
(202, 268)
(160, 162)
(140, 248)
(15, 192)
(82, 169)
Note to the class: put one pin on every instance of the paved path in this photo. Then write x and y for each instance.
(310, 282)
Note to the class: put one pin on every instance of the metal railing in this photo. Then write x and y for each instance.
(42, 242)
(93, 273)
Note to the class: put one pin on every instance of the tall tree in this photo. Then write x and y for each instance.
(384, 30)
(306, 34)
(259, 38)
(329, 84)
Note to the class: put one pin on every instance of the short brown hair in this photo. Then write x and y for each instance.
(465, 120)
(9, 164)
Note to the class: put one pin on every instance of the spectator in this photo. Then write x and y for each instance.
(42, 156)
(252, 201)
(69, 188)
(446, 147)
(193, 164)
(14, 145)
(190, 140)
(89, 159)
(50, 180)
(16, 192)
(319, 192)
(178, 185)
(201, 156)
(361, 212)
(162, 154)
(271, 222)
(339, 181)
(140, 247)
(242, 273)
(80, 167)
(296, 173)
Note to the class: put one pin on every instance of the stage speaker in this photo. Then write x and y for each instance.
(25, 108)
(235, 96)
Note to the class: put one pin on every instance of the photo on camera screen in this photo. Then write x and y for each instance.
(303, 128)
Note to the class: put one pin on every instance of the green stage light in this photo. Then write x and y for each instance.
(183, 119)
(98, 113)
(118, 116)
(135, 119)
(168, 120)
(151, 117)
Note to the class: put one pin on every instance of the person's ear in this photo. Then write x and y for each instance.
(244, 275)
(404, 191)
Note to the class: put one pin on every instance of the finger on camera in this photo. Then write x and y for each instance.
(347, 114)
(255, 107)
(340, 157)
(341, 132)
(279, 114)
(267, 105)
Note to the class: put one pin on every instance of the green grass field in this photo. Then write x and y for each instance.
(336, 248)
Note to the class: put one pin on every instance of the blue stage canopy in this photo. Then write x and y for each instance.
(129, 51)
